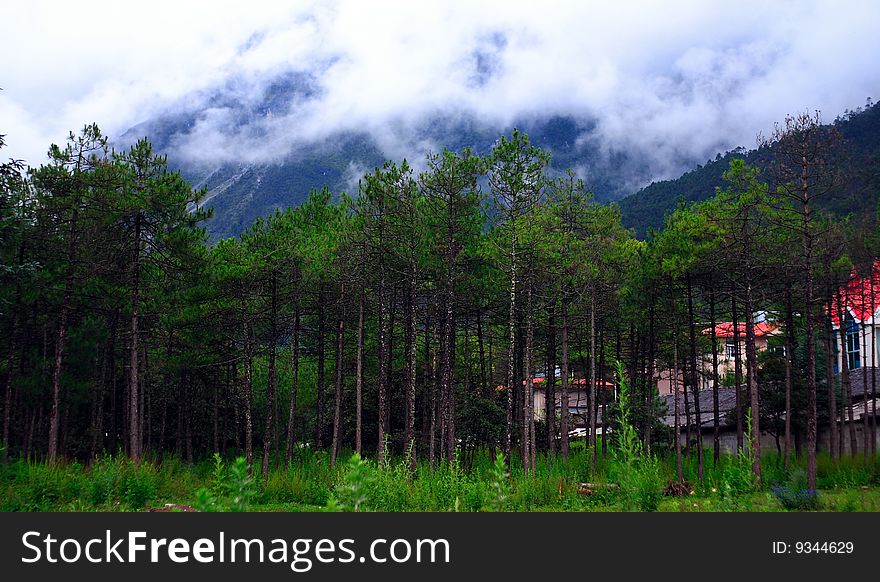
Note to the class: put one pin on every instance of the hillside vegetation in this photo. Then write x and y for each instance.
(860, 157)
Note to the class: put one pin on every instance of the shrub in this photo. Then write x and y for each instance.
(795, 494)
(352, 490)
(232, 487)
(497, 495)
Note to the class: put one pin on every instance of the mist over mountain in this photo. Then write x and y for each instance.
(858, 161)
(207, 138)
(203, 140)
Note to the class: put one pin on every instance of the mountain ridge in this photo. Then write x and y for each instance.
(860, 129)
(242, 191)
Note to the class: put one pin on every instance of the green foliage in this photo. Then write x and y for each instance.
(116, 484)
(647, 208)
(92, 234)
(738, 476)
(637, 471)
(498, 485)
(352, 490)
(232, 487)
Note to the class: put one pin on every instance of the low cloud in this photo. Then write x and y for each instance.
(665, 81)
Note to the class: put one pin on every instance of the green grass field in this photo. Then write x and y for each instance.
(310, 484)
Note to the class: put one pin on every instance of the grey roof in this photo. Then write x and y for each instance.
(727, 398)
(726, 403)
(857, 379)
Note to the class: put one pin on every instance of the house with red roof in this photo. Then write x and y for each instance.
(857, 304)
(727, 353)
(731, 341)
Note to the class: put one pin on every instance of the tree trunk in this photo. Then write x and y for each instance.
(432, 435)
(716, 420)
(273, 376)
(134, 414)
(834, 438)
(412, 363)
(650, 372)
(447, 383)
(337, 414)
(484, 383)
(737, 373)
(61, 340)
(294, 384)
(528, 427)
(508, 434)
(846, 387)
(678, 466)
(382, 379)
(15, 358)
(248, 395)
(319, 398)
(359, 380)
(866, 427)
(694, 380)
(875, 348)
(550, 381)
(592, 388)
(752, 363)
(563, 397)
(789, 357)
(808, 320)
(602, 394)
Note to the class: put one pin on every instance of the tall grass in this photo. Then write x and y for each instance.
(637, 471)
(114, 483)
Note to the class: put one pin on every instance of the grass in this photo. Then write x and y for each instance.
(310, 484)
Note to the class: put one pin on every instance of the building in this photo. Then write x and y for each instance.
(577, 398)
(861, 308)
(767, 336)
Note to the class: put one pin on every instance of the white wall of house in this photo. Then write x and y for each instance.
(862, 342)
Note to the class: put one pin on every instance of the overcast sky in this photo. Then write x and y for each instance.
(687, 77)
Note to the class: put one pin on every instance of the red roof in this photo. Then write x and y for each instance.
(726, 329)
(860, 296)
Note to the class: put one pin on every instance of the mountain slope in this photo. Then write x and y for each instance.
(285, 172)
(860, 129)
(282, 172)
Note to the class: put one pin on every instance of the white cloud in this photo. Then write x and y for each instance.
(671, 79)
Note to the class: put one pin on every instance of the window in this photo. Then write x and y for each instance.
(853, 351)
(776, 345)
(730, 349)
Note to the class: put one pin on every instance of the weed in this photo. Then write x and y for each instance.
(232, 487)
(795, 494)
(738, 476)
(637, 470)
(352, 490)
(497, 485)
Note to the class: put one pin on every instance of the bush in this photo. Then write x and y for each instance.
(795, 495)
(352, 490)
(232, 487)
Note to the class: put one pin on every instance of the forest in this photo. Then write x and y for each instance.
(397, 335)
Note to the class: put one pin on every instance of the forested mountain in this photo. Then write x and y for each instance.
(859, 160)
(414, 315)
(240, 191)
